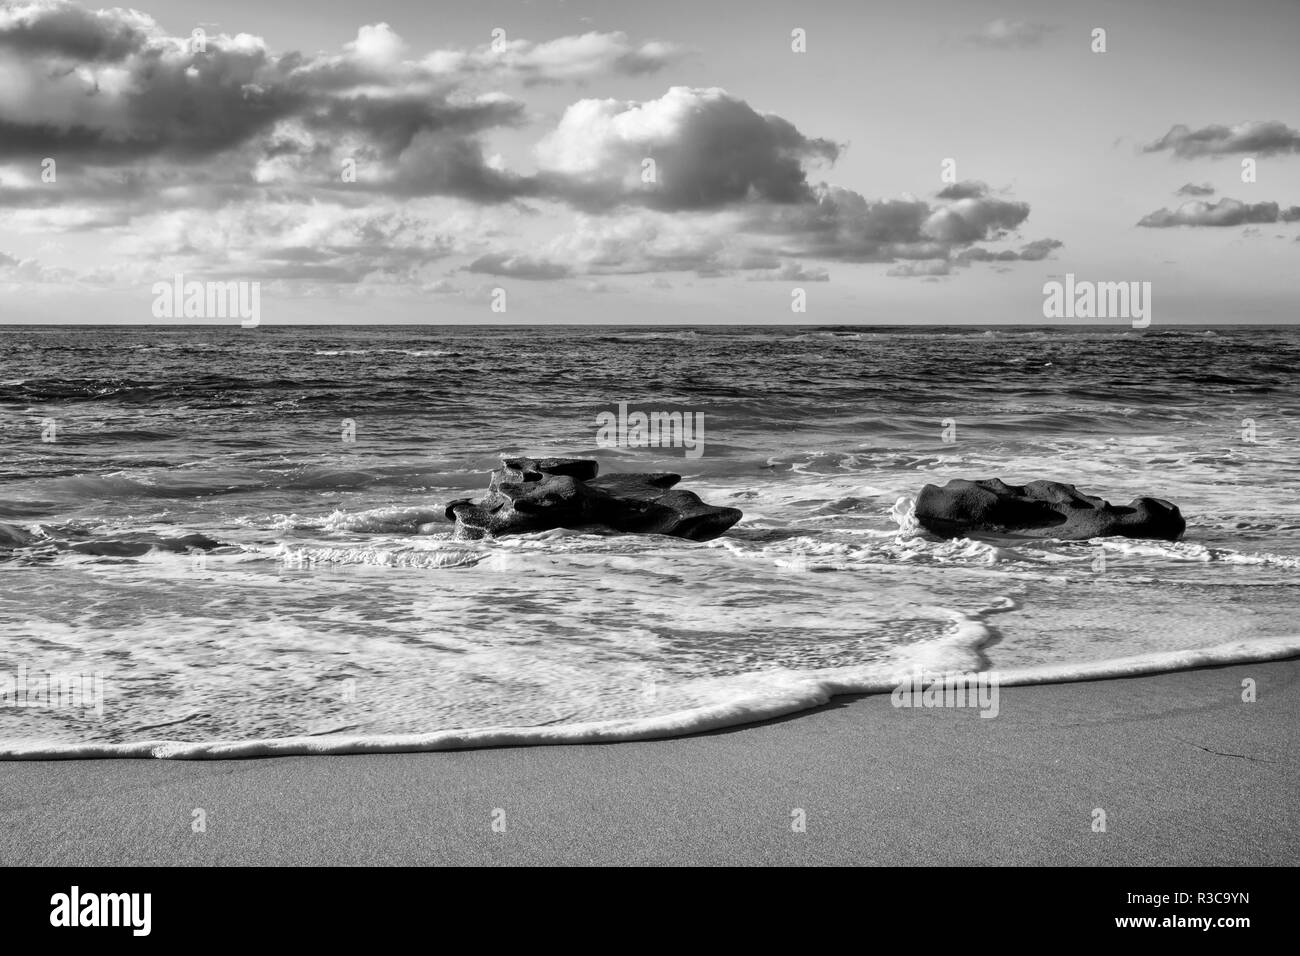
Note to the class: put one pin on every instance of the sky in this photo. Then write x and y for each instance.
(562, 161)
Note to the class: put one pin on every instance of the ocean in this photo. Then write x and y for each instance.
(339, 614)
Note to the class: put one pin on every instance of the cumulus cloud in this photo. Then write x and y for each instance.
(689, 149)
(646, 241)
(1005, 34)
(843, 224)
(1225, 212)
(774, 241)
(967, 189)
(1261, 138)
(1191, 189)
(967, 220)
(369, 164)
(71, 31)
(113, 88)
(148, 95)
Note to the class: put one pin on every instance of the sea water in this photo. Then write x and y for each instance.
(340, 614)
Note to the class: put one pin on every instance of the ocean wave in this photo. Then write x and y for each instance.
(753, 698)
(1193, 551)
(410, 353)
(390, 520)
(298, 556)
(823, 336)
(684, 336)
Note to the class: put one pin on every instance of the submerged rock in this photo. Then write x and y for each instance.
(540, 494)
(1041, 509)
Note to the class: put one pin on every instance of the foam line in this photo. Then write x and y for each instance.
(777, 694)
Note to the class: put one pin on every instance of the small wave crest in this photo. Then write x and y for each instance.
(753, 698)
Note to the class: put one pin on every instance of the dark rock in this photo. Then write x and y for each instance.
(539, 494)
(584, 469)
(1040, 509)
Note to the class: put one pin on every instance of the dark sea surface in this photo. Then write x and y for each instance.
(340, 607)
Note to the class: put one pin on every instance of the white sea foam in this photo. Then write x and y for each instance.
(1192, 551)
(753, 698)
(377, 555)
(382, 520)
(413, 353)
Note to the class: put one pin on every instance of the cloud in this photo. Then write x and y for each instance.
(1191, 189)
(70, 31)
(1039, 249)
(148, 96)
(1005, 34)
(573, 58)
(1225, 212)
(377, 44)
(924, 267)
(518, 267)
(841, 224)
(1034, 251)
(113, 89)
(967, 220)
(690, 149)
(238, 160)
(315, 243)
(980, 254)
(22, 271)
(645, 241)
(968, 189)
(793, 272)
(439, 163)
(771, 239)
(1262, 138)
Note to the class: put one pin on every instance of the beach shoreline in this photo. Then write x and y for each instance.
(1185, 771)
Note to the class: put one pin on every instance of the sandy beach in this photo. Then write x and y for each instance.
(1186, 772)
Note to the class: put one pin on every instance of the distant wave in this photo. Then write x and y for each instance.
(683, 336)
(412, 353)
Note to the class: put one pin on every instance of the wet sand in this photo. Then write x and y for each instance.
(1185, 771)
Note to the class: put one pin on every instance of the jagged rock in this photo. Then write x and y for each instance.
(539, 494)
(1040, 509)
